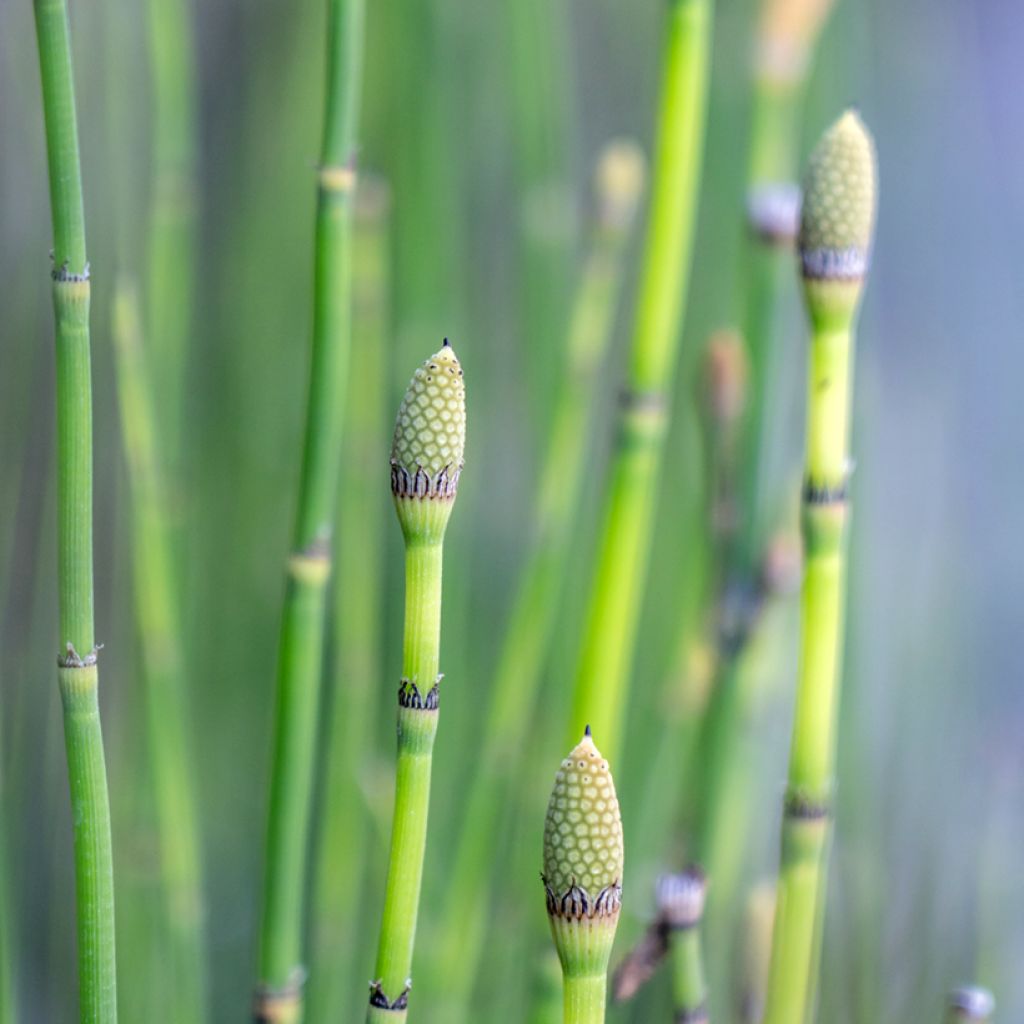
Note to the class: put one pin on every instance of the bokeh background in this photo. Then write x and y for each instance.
(485, 119)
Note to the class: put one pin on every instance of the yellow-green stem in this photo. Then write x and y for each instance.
(624, 545)
(417, 727)
(584, 999)
(808, 809)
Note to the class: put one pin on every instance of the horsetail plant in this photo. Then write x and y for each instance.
(970, 1004)
(172, 235)
(631, 490)
(758, 920)
(618, 184)
(78, 673)
(345, 833)
(583, 862)
(836, 231)
(165, 695)
(278, 995)
(426, 462)
(785, 36)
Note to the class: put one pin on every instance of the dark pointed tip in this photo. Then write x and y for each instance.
(447, 344)
(587, 732)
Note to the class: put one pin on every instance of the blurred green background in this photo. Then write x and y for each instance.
(484, 120)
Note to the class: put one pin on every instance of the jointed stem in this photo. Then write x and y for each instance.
(417, 727)
(302, 630)
(78, 674)
(624, 544)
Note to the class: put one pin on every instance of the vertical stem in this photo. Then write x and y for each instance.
(417, 727)
(525, 644)
(624, 543)
(807, 816)
(78, 675)
(689, 985)
(279, 993)
(341, 857)
(584, 999)
(172, 238)
(168, 731)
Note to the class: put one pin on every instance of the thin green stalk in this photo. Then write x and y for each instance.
(172, 234)
(78, 674)
(531, 622)
(681, 907)
(426, 461)
(624, 545)
(279, 990)
(169, 733)
(835, 239)
(8, 1001)
(584, 998)
(347, 824)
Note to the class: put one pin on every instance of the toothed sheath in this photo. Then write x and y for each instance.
(583, 859)
(426, 460)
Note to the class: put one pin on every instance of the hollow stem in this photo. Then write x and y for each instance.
(624, 541)
(78, 675)
(417, 727)
(279, 990)
(584, 999)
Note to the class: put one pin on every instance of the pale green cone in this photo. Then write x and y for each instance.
(428, 446)
(837, 222)
(583, 859)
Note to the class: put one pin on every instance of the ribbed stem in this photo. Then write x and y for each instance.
(584, 999)
(531, 622)
(417, 727)
(624, 544)
(168, 729)
(809, 792)
(94, 876)
(302, 631)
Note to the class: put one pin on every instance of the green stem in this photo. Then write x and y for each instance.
(584, 999)
(532, 619)
(279, 994)
(166, 700)
(347, 824)
(170, 283)
(624, 545)
(78, 675)
(417, 727)
(689, 985)
(805, 832)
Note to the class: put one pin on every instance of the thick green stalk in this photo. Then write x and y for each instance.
(279, 992)
(835, 240)
(77, 673)
(426, 462)
(417, 727)
(532, 619)
(165, 691)
(624, 545)
(172, 234)
(347, 825)
(584, 999)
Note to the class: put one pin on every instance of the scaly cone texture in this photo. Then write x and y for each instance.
(583, 852)
(838, 218)
(430, 433)
(583, 859)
